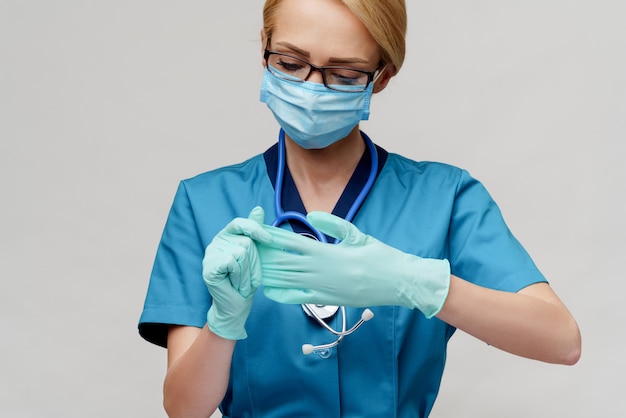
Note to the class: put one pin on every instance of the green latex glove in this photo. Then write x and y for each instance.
(232, 272)
(360, 271)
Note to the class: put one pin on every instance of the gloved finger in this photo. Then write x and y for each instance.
(248, 227)
(287, 279)
(225, 257)
(245, 272)
(250, 262)
(283, 239)
(223, 290)
(240, 275)
(280, 263)
(288, 296)
(257, 214)
(332, 225)
(218, 266)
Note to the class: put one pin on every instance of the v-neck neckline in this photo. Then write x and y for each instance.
(291, 199)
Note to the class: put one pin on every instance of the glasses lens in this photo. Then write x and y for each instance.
(344, 79)
(288, 67)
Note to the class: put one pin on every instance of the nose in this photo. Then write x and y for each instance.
(315, 76)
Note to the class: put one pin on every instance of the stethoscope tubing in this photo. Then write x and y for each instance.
(286, 216)
(282, 216)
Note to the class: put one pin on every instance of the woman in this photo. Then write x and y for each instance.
(424, 247)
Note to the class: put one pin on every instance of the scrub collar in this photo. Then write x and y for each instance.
(291, 200)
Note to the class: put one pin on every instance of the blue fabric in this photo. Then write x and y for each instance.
(392, 366)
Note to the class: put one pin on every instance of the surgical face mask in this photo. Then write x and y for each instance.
(310, 113)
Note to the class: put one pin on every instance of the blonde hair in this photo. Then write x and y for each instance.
(386, 20)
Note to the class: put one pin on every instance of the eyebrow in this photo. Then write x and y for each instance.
(333, 60)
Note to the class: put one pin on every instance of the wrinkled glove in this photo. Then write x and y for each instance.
(232, 273)
(359, 271)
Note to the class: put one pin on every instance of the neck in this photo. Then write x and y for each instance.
(321, 175)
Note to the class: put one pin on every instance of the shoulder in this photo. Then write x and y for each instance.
(439, 182)
(213, 198)
(437, 174)
(401, 162)
(229, 175)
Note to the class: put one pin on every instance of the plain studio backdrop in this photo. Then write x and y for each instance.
(105, 106)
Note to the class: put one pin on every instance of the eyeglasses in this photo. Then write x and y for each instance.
(335, 78)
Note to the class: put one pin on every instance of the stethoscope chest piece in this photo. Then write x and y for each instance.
(320, 311)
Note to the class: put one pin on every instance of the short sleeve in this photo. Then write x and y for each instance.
(176, 292)
(482, 248)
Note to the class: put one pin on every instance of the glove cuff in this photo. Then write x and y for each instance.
(226, 327)
(429, 285)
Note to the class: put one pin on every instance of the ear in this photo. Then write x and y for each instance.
(388, 72)
(263, 45)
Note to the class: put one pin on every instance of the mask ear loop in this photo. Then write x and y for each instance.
(378, 73)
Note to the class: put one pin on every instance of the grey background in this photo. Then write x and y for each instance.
(105, 106)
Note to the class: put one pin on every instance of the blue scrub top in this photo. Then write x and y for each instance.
(392, 366)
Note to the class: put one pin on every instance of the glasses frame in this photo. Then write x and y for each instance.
(371, 75)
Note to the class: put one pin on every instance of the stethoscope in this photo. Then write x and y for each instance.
(321, 312)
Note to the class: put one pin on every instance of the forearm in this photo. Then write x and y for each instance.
(197, 380)
(532, 323)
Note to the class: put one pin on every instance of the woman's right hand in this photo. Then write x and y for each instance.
(232, 272)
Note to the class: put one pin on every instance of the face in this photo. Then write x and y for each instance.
(324, 32)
